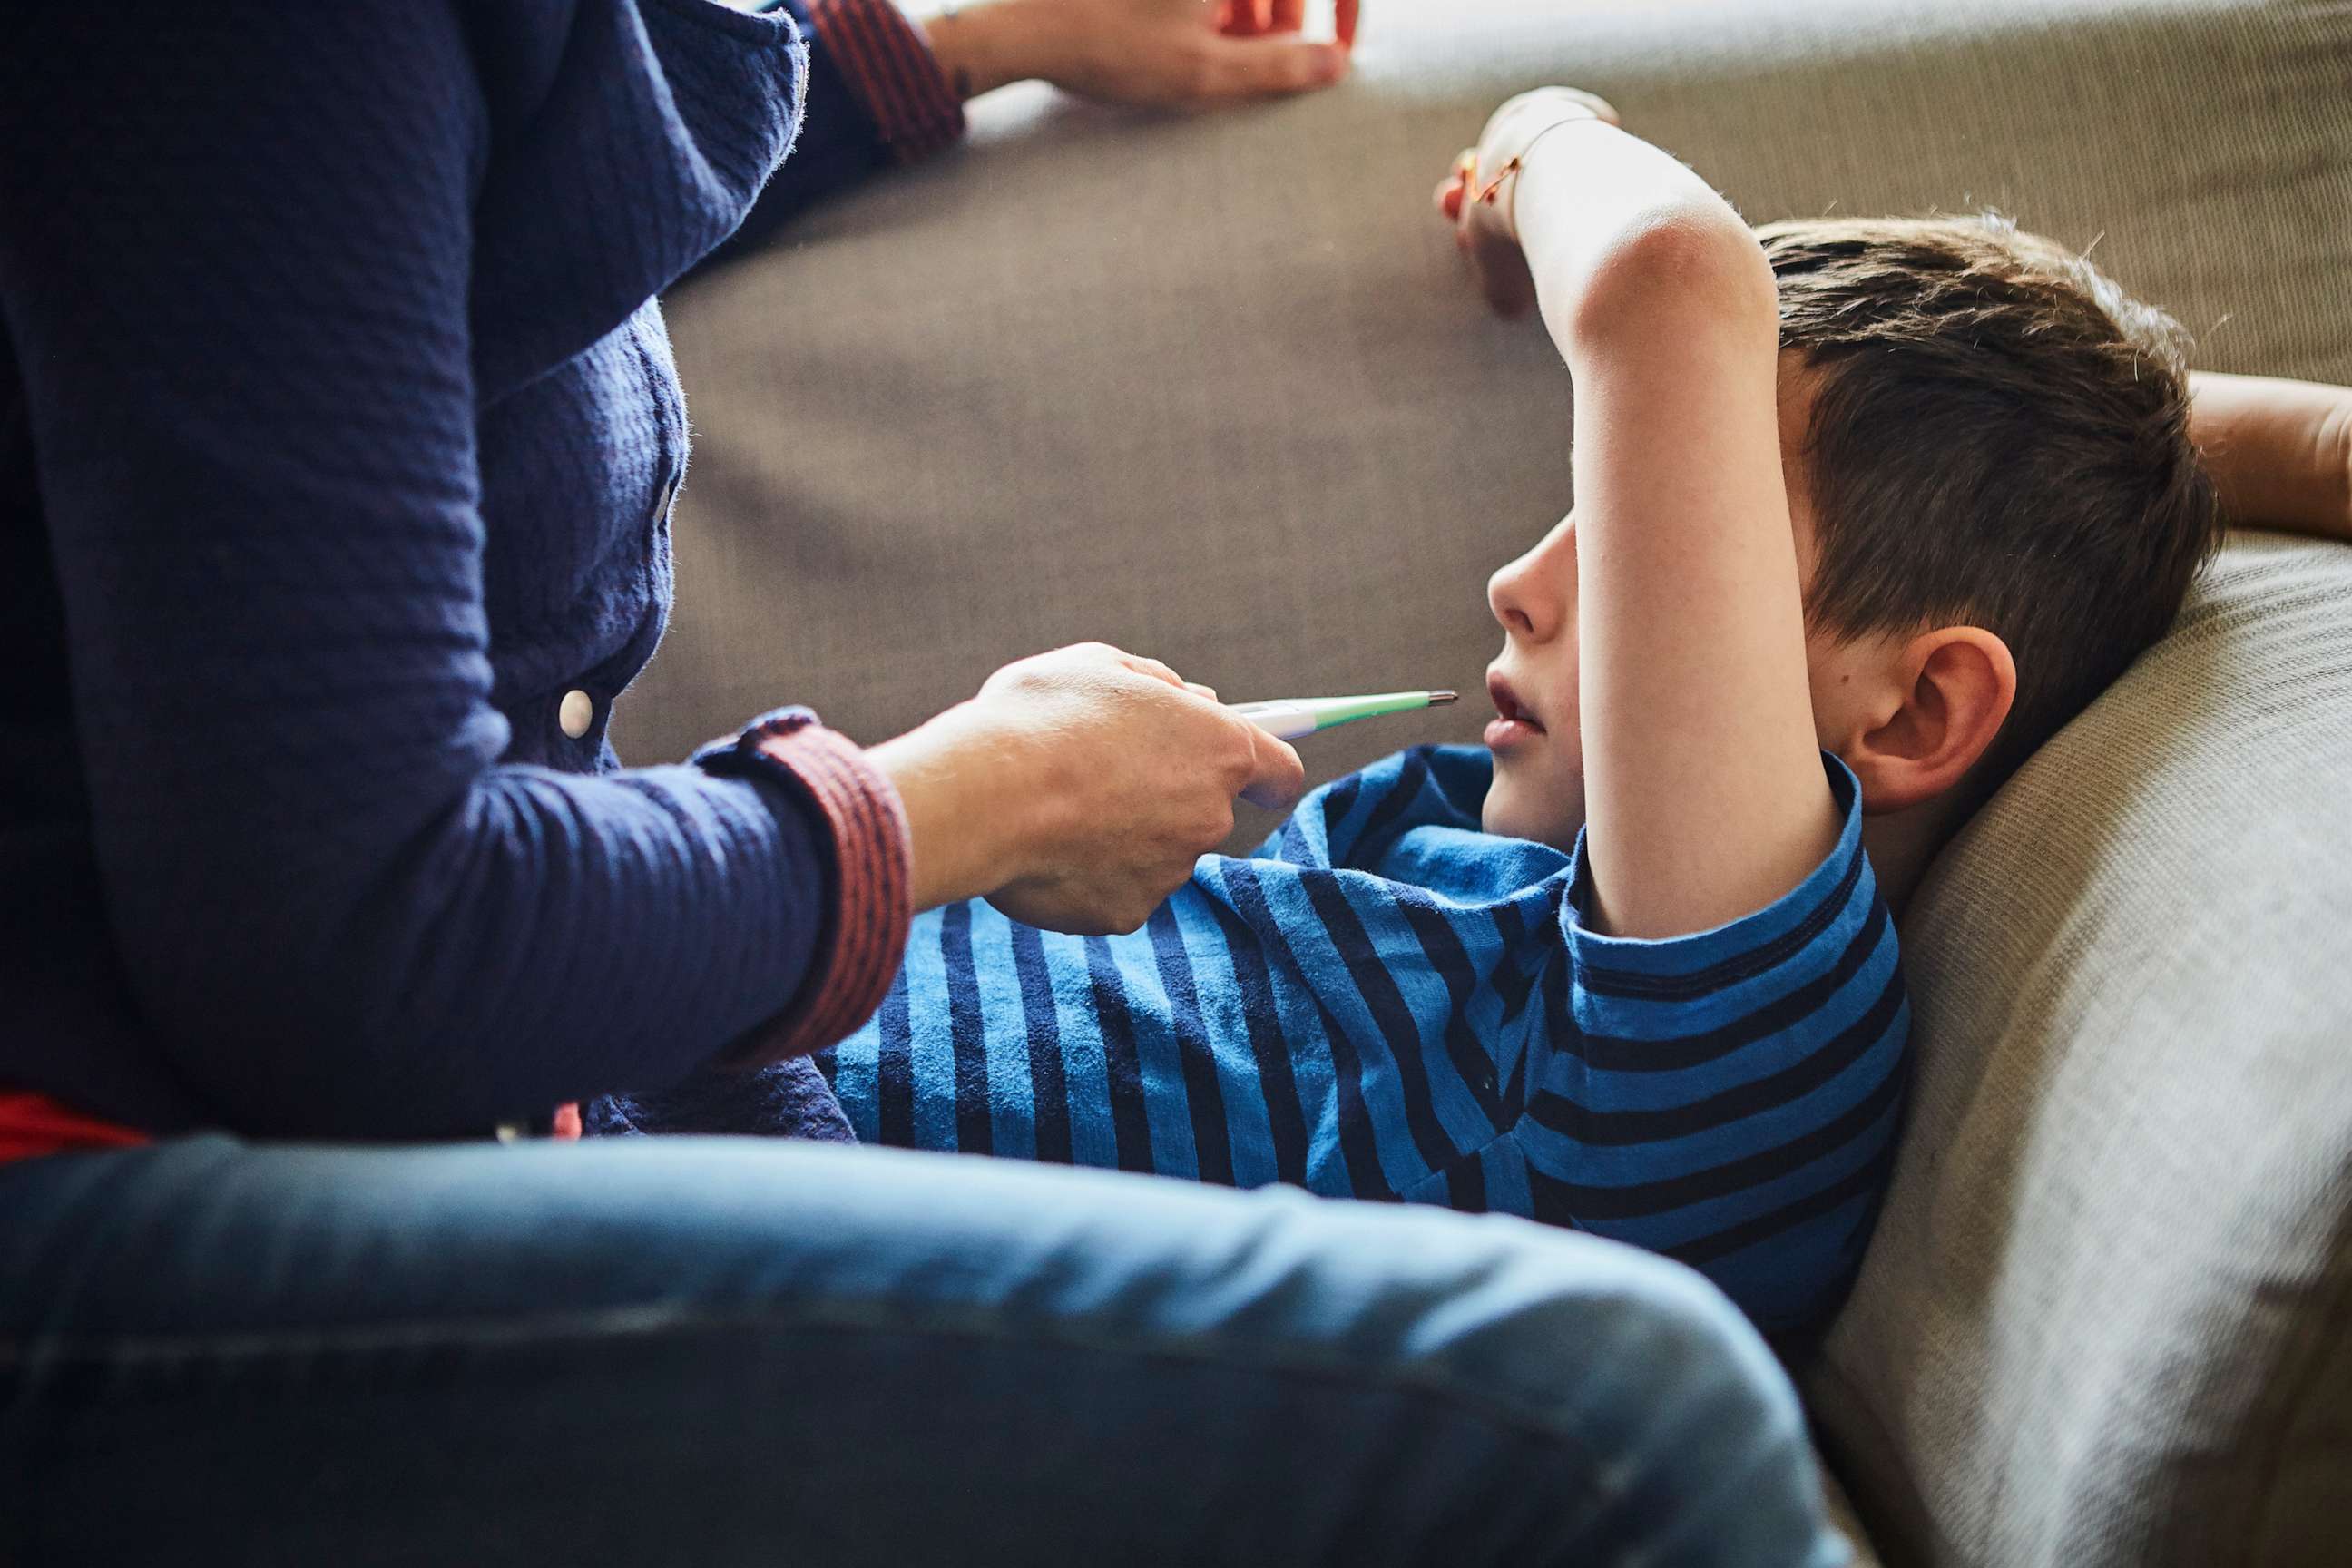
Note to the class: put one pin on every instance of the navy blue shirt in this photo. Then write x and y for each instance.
(339, 435)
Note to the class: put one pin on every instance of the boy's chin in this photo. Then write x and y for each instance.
(1548, 816)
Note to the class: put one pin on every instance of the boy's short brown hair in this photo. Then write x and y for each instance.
(1999, 437)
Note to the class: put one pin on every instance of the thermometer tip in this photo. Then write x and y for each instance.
(1438, 698)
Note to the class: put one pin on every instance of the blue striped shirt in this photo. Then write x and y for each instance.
(1386, 1002)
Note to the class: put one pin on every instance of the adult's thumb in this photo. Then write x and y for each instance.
(1277, 778)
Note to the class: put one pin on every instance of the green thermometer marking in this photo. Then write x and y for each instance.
(1288, 718)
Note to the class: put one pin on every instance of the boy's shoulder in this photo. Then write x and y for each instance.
(1831, 919)
(1411, 820)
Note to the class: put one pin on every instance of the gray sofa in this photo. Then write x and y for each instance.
(1212, 388)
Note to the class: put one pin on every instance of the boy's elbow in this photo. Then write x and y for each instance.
(1680, 269)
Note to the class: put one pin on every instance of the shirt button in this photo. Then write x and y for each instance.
(575, 713)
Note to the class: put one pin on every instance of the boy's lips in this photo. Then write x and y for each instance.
(1514, 722)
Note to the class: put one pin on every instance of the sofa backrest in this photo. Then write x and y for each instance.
(1214, 388)
(2107, 1314)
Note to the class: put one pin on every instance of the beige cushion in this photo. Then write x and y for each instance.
(1212, 388)
(2105, 1319)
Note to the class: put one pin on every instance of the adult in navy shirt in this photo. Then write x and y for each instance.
(338, 434)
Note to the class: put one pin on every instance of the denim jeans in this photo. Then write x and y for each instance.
(709, 1352)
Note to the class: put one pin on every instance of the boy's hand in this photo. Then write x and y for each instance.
(1479, 196)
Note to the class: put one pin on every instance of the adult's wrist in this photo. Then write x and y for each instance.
(982, 48)
(867, 900)
(974, 813)
(888, 66)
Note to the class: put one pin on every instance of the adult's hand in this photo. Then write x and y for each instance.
(1078, 787)
(1166, 53)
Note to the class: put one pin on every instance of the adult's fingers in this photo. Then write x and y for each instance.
(1277, 778)
(1151, 667)
(1261, 67)
(1287, 16)
(1242, 18)
(1346, 18)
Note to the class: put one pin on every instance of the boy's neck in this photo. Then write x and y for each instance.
(1900, 844)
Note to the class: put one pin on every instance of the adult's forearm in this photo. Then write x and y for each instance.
(547, 938)
(2279, 451)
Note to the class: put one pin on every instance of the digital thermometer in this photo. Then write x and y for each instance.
(1288, 718)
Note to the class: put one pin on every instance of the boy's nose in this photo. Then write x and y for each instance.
(1507, 609)
(1517, 596)
(1532, 596)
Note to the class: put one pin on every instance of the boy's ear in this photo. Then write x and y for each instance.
(1956, 686)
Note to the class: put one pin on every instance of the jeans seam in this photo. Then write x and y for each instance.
(650, 1322)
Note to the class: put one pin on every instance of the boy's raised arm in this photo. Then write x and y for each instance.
(1704, 788)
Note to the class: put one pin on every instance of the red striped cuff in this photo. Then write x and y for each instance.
(859, 949)
(892, 70)
(33, 1124)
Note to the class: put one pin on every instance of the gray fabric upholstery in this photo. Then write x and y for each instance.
(2107, 1316)
(1212, 388)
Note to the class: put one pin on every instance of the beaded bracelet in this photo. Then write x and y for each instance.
(1469, 172)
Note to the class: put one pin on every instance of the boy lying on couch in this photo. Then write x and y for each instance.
(1864, 512)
